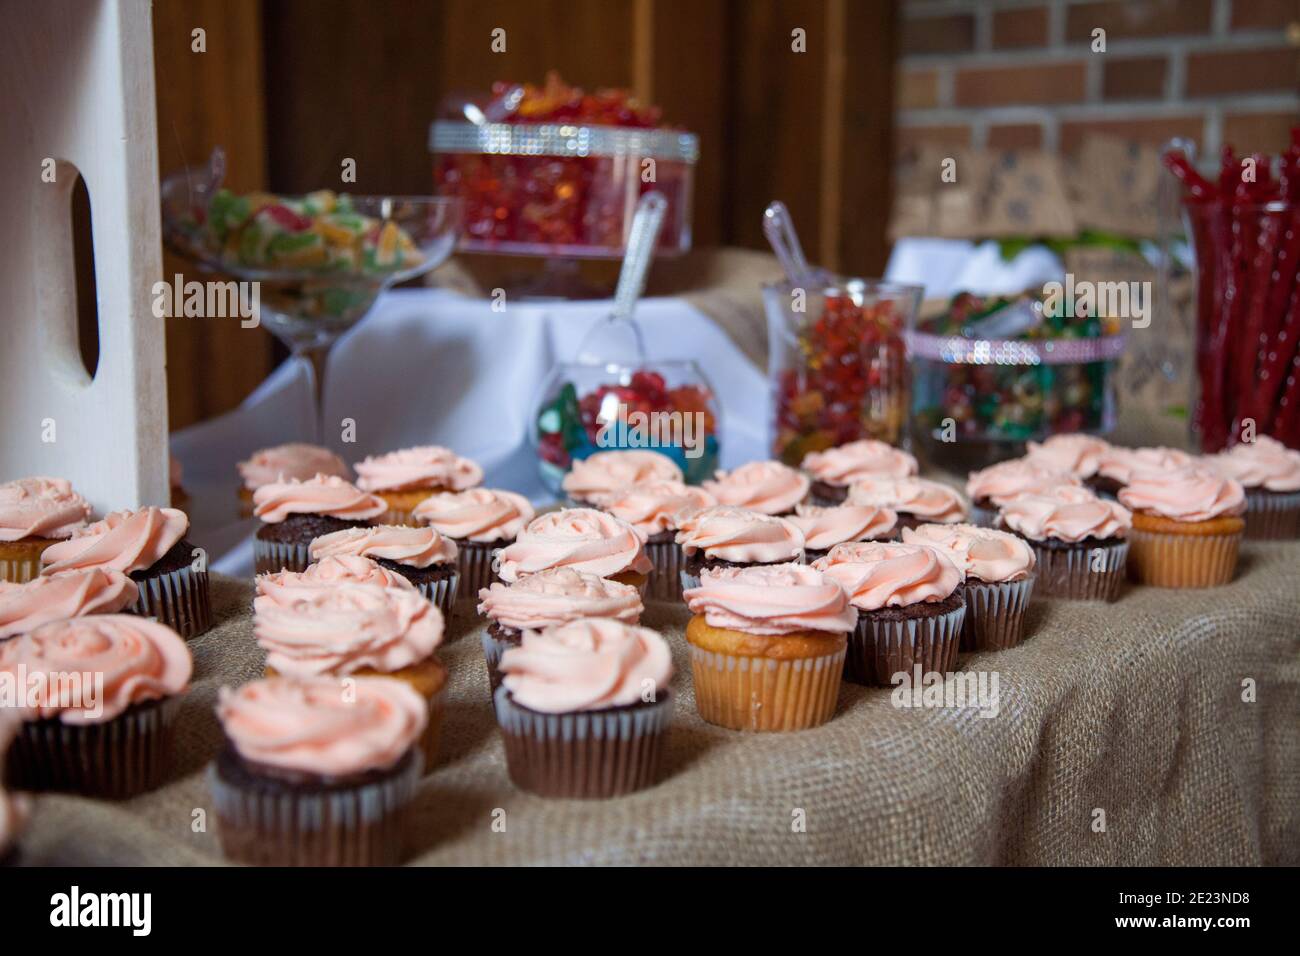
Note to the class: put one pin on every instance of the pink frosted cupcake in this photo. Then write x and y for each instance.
(110, 736)
(582, 539)
(824, 528)
(1269, 473)
(726, 537)
(832, 471)
(317, 772)
(295, 461)
(293, 513)
(1187, 527)
(1074, 454)
(911, 607)
(149, 545)
(585, 708)
(421, 555)
(990, 488)
(25, 607)
(608, 471)
(34, 514)
(916, 501)
(405, 478)
(655, 510)
(480, 521)
(1080, 541)
(549, 599)
(768, 487)
(1116, 466)
(999, 579)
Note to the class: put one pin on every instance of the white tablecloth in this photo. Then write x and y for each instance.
(432, 367)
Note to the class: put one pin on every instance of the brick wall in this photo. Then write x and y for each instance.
(1022, 74)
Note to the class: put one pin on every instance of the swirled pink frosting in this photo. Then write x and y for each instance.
(610, 470)
(1119, 464)
(411, 547)
(1192, 493)
(982, 553)
(1075, 454)
(914, 496)
(846, 464)
(766, 486)
(588, 664)
(285, 587)
(740, 535)
(583, 539)
(321, 495)
(14, 808)
(124, 540)
(322, 725)
(346, 628)
(1067, 514)
(823, 528)
(476, 514)
(25, 607)
(876, 574)
(1264, 463)
(295, 461)
(137, 659)
(771, 600)
(426, 466)
(40, 508)
(1005, 480)
(653, 507)
(558, 596)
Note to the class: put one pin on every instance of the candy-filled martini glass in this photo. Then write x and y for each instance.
(319, 261)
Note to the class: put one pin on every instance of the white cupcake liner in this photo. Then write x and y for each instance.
(283, 826)
(493, 648)
(181, 599)
(879, 649)
(477, 566)
(1068, 572)
(995, 614)
(20, 571)
(1271, 515)
(765, 694)
(272, 556)
(584, 754)
(441, 592)
(665, 582)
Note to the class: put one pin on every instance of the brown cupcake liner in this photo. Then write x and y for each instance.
(586, 754)
(1172, 560)
(1272, 516)
(119, 758)
(665, 582)
(364, 825)
(763, 693)
(272, 556)
(995, 614)
(879, 649)
(1068, 572)
(476, 563)
(181, 599)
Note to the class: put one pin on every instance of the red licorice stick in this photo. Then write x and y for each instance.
(1280, 309)
(1195, 184)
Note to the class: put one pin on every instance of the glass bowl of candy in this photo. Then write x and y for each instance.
(838, 363)
(990, 373)
(553, 171)
(667, 406)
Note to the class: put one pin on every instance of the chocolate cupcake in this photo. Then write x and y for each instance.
(481, 521)
(608, 471)
(727, 537)
(549, 599)
(1116, 466)
(150, 546)
(420, 555)
(102, 722)
(824, 528)
(407, 477)
(25, 607)
(1269, 473)
(990, 488)
(14, 807)
(582, 539)
(296, 461)
(768, 487)
(294, 513)
(585, 709)
(834, 470)
(34, 514)
(1080, 542)
(916, 501)
(317, 772)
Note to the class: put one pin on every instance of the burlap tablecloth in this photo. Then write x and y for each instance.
(1133, 709)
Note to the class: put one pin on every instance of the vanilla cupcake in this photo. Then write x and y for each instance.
(584, 709)
(832, 471)
(608, 471)
(916, 501)
(296, 461)
(582, 539)
(405, 478)
(824, 528)
(480, 521)
(34, 514)
(1187, 527)
(549, 599)
(1269, 473)
(727, 537)
(991, 487)
(1074, 454)
(294, 513)
(768, 487)
(25, 607)
(421, 555)
(767, 646)
(1080, 541)
(999, 578)
(1116, 466)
